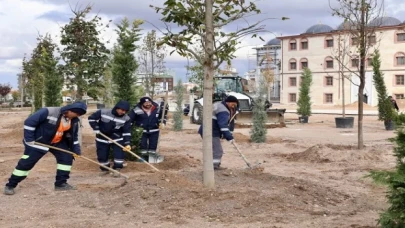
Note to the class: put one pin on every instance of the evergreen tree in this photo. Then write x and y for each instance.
(124, 63)
(386, 111)
(394, 216)
(53, 79)
(178, 114)
(84, 54)
(258, 131)
(304, 100)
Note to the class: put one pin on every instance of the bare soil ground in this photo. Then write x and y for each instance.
(312, 176)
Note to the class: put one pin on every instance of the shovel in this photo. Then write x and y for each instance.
(88, 159)
(244, 157)
(123, 148)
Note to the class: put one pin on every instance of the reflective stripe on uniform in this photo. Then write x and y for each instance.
(20, 173)
(119, 161)
(25, 156)
(216, 161)
(153, 130)
(29, 128)
(224, 129)
(64, 167)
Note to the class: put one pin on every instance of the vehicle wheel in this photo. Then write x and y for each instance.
(197, 115)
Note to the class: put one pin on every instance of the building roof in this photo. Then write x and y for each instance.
(384, 21)
(318, 28)
(274, 41)
(346, 25)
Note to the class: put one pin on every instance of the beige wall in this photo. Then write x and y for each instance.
(316, 54)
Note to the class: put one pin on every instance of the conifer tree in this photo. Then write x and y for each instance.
(304, 99)
(259, 131)
(178, 114)
(386, 111)
(53, 78)
(124, 63)
(394, 216)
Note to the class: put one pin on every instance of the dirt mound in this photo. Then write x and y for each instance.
(240, 138)
(312, 154)
(336, 153)
(356, 104)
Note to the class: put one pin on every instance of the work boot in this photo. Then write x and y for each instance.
(117, 174)
(65, 187)
(218, 167)
(103, 173)
(9, 190)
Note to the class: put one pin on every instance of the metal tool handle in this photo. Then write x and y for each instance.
(75, 155)
(242, 155)
(109, 139)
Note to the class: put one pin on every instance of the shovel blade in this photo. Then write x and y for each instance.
(155, 158)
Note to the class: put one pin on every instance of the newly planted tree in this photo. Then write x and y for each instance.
(53, 78)
(357, 16)
(84, 54)
(151, 58)
(202, 22)
(123, 62)
(386, 111)
(258, 131)
(304, 100)
(178, 114)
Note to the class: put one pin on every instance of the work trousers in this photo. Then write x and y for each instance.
(217, 151)
(32, 156)
(103, 151)
(149, 142)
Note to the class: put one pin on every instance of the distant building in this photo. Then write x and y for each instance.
(317, 48)
(163, 81)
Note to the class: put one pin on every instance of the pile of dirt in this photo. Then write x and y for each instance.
(241, 138)
(336, 153)
(312, 154)
(356, 104)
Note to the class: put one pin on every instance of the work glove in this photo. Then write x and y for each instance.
(162, 126)
(127, 148)
(96, 132)
(232, 141)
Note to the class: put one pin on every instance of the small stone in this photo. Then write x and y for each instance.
(167, 180)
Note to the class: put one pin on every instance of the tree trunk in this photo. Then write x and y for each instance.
(362, 72)
(208, 174)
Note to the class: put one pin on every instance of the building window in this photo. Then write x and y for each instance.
(354, 41)
(304, 63)
(329, 42)
(293, 45)
(399, 80)
(400, 37)
(293, 81)
(372, 40)
(399, 96)
(355, 62)
(369, 62)
(329, 63)
(400, 59)
(328, 81)
(304, 44)
(328, 98)
(293, 64)
(292, 97)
